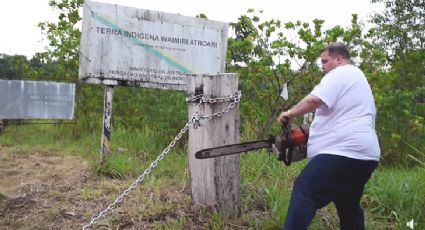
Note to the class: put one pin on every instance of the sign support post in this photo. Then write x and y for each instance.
(106, 130)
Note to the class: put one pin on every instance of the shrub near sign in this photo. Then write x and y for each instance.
(123, 45)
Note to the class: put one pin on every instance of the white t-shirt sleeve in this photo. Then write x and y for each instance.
(329, 88)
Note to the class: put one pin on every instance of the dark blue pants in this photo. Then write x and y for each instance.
(329, 178)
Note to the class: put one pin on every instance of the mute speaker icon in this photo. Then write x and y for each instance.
(411, 224)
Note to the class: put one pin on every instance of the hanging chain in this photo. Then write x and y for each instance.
(195, 120)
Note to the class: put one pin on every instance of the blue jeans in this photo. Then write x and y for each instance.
(329, 178)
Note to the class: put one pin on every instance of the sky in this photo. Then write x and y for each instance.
(21, 35)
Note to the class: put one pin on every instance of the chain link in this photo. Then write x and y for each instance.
(196, 118)
(195, 121)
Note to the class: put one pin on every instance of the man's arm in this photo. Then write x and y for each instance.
(308, 104)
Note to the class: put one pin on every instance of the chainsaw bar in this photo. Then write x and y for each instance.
(234, 149)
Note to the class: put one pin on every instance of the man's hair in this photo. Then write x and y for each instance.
(337, 48)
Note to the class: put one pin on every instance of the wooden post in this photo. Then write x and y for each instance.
(106, 130)
(215, 181)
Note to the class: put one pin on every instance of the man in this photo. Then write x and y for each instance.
(342, 149)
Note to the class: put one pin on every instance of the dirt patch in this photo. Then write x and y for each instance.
(34, 187)
(52, 190)
(35, 170)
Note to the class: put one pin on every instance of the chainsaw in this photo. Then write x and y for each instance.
(289, 146)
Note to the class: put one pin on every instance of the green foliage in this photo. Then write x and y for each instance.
(400, 27)
(399, 39)
(263, 68)
(64, 37)
(13, 67)
(399, 122)
(266, 56)
(165, 110)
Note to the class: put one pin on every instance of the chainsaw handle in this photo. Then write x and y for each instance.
(286, 128)
(286, 119)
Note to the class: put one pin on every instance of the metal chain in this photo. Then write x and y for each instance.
(237, 96)
(195, 120)
(235, 99)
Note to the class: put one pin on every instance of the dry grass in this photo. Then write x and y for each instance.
(52, 190)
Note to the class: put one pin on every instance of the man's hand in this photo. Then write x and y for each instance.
(308, 104)
(284, 116)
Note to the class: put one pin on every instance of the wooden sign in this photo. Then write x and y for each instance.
(130, 46)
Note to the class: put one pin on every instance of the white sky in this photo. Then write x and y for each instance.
(19, 18)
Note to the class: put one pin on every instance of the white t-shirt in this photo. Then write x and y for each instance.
(345, 124)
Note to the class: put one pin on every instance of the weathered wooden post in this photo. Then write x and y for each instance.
(106, 129)
(215, 181)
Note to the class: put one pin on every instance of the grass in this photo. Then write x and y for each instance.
(396, 195)
(393, 196)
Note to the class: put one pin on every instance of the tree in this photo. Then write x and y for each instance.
(64, 38)
(399, 31)
(266, 58)
(14, 67)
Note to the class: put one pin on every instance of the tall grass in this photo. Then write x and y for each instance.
(396, 196)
